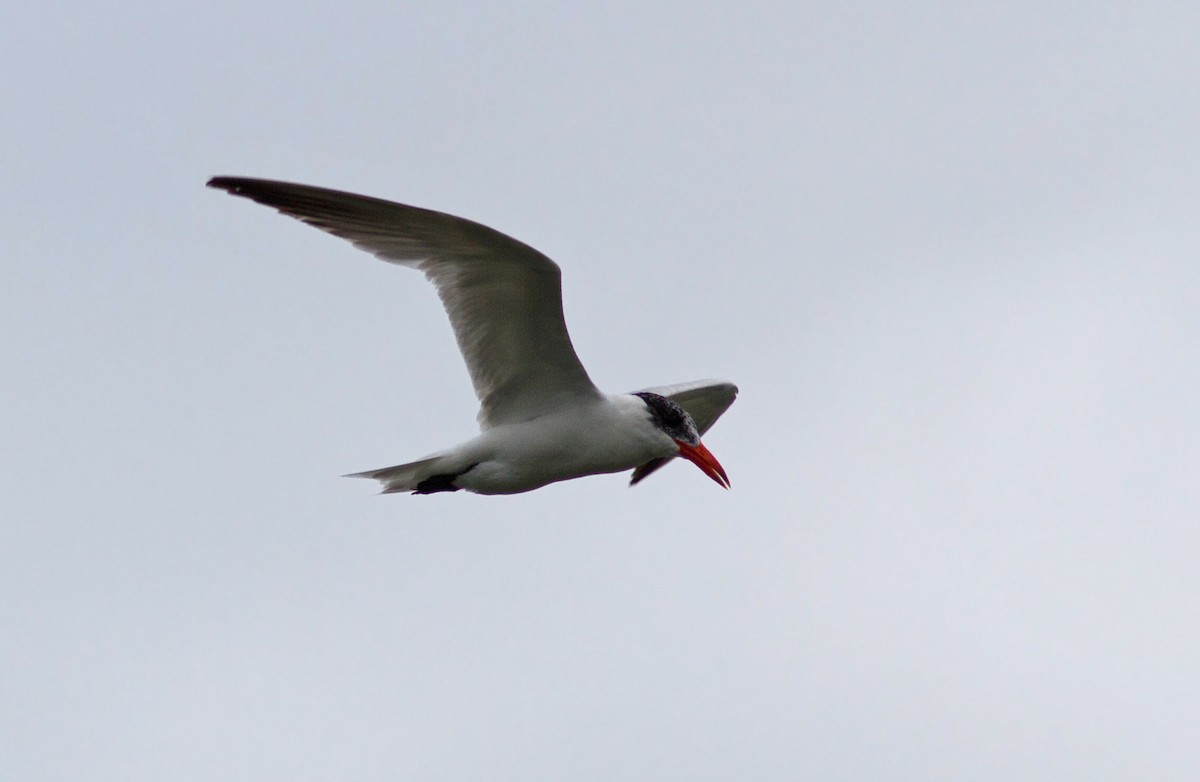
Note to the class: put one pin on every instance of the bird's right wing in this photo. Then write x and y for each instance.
(704, 400)
(503, 297)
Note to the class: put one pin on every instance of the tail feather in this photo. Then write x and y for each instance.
(402, 477)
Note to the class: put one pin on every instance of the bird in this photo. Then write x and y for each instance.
(541, 418)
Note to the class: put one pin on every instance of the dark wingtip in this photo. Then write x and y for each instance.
(231, 184)
(644, 471)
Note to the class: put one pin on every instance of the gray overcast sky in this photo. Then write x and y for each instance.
(948, 251)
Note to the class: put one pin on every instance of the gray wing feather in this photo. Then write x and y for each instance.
(504, 298)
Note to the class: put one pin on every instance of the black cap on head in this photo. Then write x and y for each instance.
(670, 418)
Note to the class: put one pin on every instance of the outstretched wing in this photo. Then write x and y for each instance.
(504, 298)
(704, 400)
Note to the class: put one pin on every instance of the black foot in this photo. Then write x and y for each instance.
(443, 482)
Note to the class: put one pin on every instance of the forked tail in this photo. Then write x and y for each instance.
(419, 477)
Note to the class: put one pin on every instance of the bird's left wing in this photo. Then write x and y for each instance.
(704, 400)
(504, 298)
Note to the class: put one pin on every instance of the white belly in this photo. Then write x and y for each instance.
(610, 437)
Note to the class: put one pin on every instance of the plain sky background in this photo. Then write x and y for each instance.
(949, 251)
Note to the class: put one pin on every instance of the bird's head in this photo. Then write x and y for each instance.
(673, 421)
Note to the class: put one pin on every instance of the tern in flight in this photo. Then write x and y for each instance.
(541, 419)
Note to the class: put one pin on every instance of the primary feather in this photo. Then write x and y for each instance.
(504, 298)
